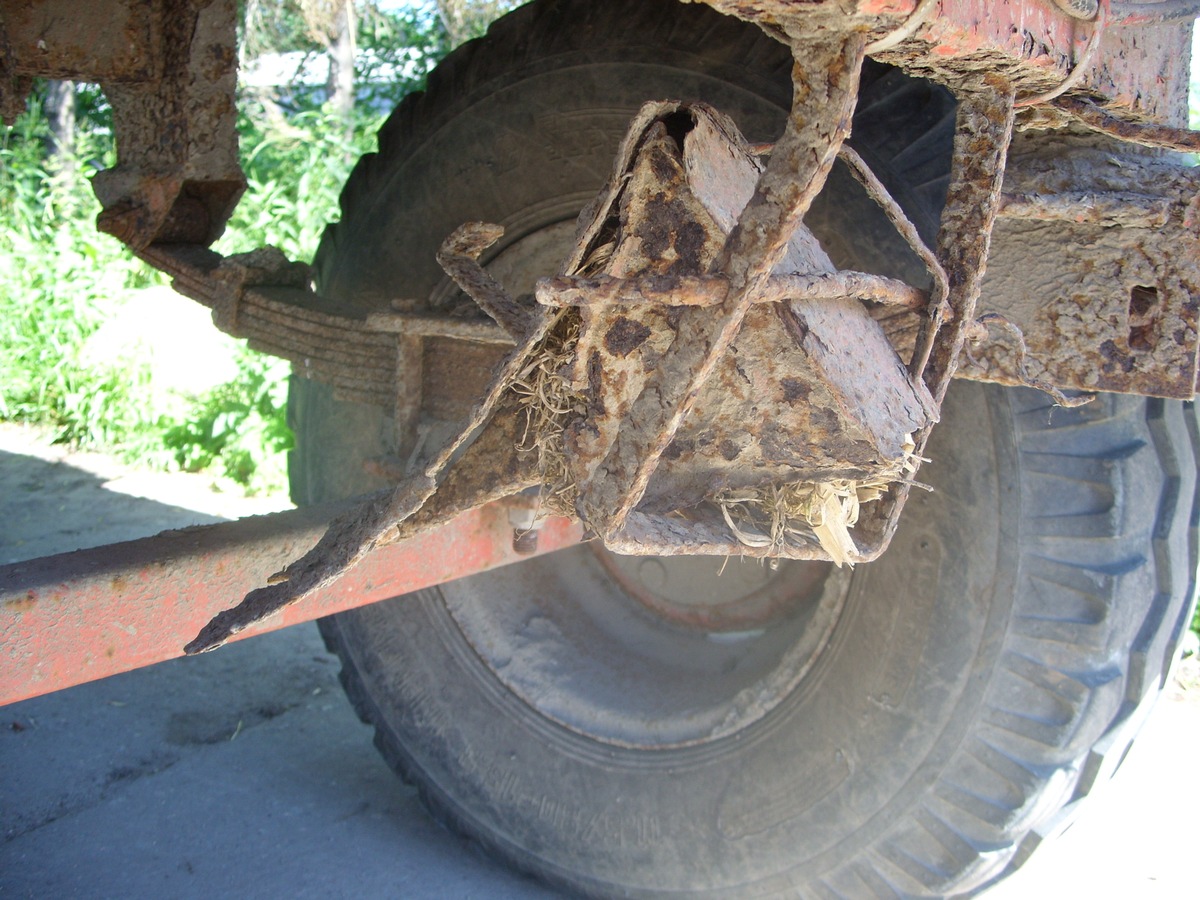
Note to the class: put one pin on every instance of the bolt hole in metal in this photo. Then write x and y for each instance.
(1144, 309)
(646, 652)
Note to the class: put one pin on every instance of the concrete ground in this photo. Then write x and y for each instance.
(244, 772)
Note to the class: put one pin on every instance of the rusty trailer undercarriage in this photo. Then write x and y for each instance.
(648, 292)
(681, 384)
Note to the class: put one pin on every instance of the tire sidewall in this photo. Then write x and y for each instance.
(818, 779)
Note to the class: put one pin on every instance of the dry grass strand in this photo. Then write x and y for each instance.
(548, 399)
(777, 516)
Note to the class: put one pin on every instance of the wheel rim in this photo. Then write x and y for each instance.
(567, 638)
(645, 652)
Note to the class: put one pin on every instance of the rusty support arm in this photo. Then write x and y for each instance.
(80, 616)
(691, 290)
(985, 127)
(1147, 134)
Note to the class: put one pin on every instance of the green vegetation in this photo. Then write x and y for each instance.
(56, 273)
(295, 169)
(61, 280)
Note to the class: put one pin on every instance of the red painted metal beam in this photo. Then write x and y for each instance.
(76, 617)
(1143, 69)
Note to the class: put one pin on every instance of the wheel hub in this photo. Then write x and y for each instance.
(650, 653)
(715, 594)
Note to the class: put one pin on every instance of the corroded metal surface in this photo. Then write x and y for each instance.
(1096, 259)
(824, 92)
(169, 70)
(1088, 112)
(76, 617)
(700, 290)
(1033, 44)
(459, 257)
(1035, 48)
(780, 402)
(177, 177)
(784, 403)
(984, 130)
(168, 67)
(1095, 263)
(487, 466)
(699, 332)
(111, 41)
(265, 298)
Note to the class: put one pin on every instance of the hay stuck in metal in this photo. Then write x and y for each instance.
(775, 516)
(548, 399)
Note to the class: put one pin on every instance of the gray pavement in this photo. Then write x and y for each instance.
(244, 772)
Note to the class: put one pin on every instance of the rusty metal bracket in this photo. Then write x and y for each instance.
(1096, 260)
(609, 384)
(784, 408)
(981, 140)
(824, 93)
(761, 227)
(694, 378)
(982, 137)
(459, 257)
(178, 176)
(1149, 134)
(488, 466)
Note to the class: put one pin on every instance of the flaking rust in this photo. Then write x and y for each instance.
(809, 393)
(698, 377)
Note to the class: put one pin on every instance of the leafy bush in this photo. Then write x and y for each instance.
(295, 169)
(60, 279)
(56, 273)
(239, 425)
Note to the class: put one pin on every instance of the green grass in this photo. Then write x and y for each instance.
(61, 280)
(294, 175)
(56, 272)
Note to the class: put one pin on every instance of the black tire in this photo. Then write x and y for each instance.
(965, 691)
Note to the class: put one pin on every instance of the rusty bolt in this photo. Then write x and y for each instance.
(525, 524)
(525, 542)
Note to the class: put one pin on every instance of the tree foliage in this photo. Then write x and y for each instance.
(467, 19)
(60, 279)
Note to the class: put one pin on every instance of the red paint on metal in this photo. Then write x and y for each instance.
(1036, 45)
(77, 617)
(1022, 30)
(886, 7)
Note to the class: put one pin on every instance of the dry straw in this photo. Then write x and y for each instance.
(546, 395)
(776, 516)
(771, 516)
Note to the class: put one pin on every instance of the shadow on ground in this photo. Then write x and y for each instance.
(52, 506)
(241, 772)
(244, 772)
